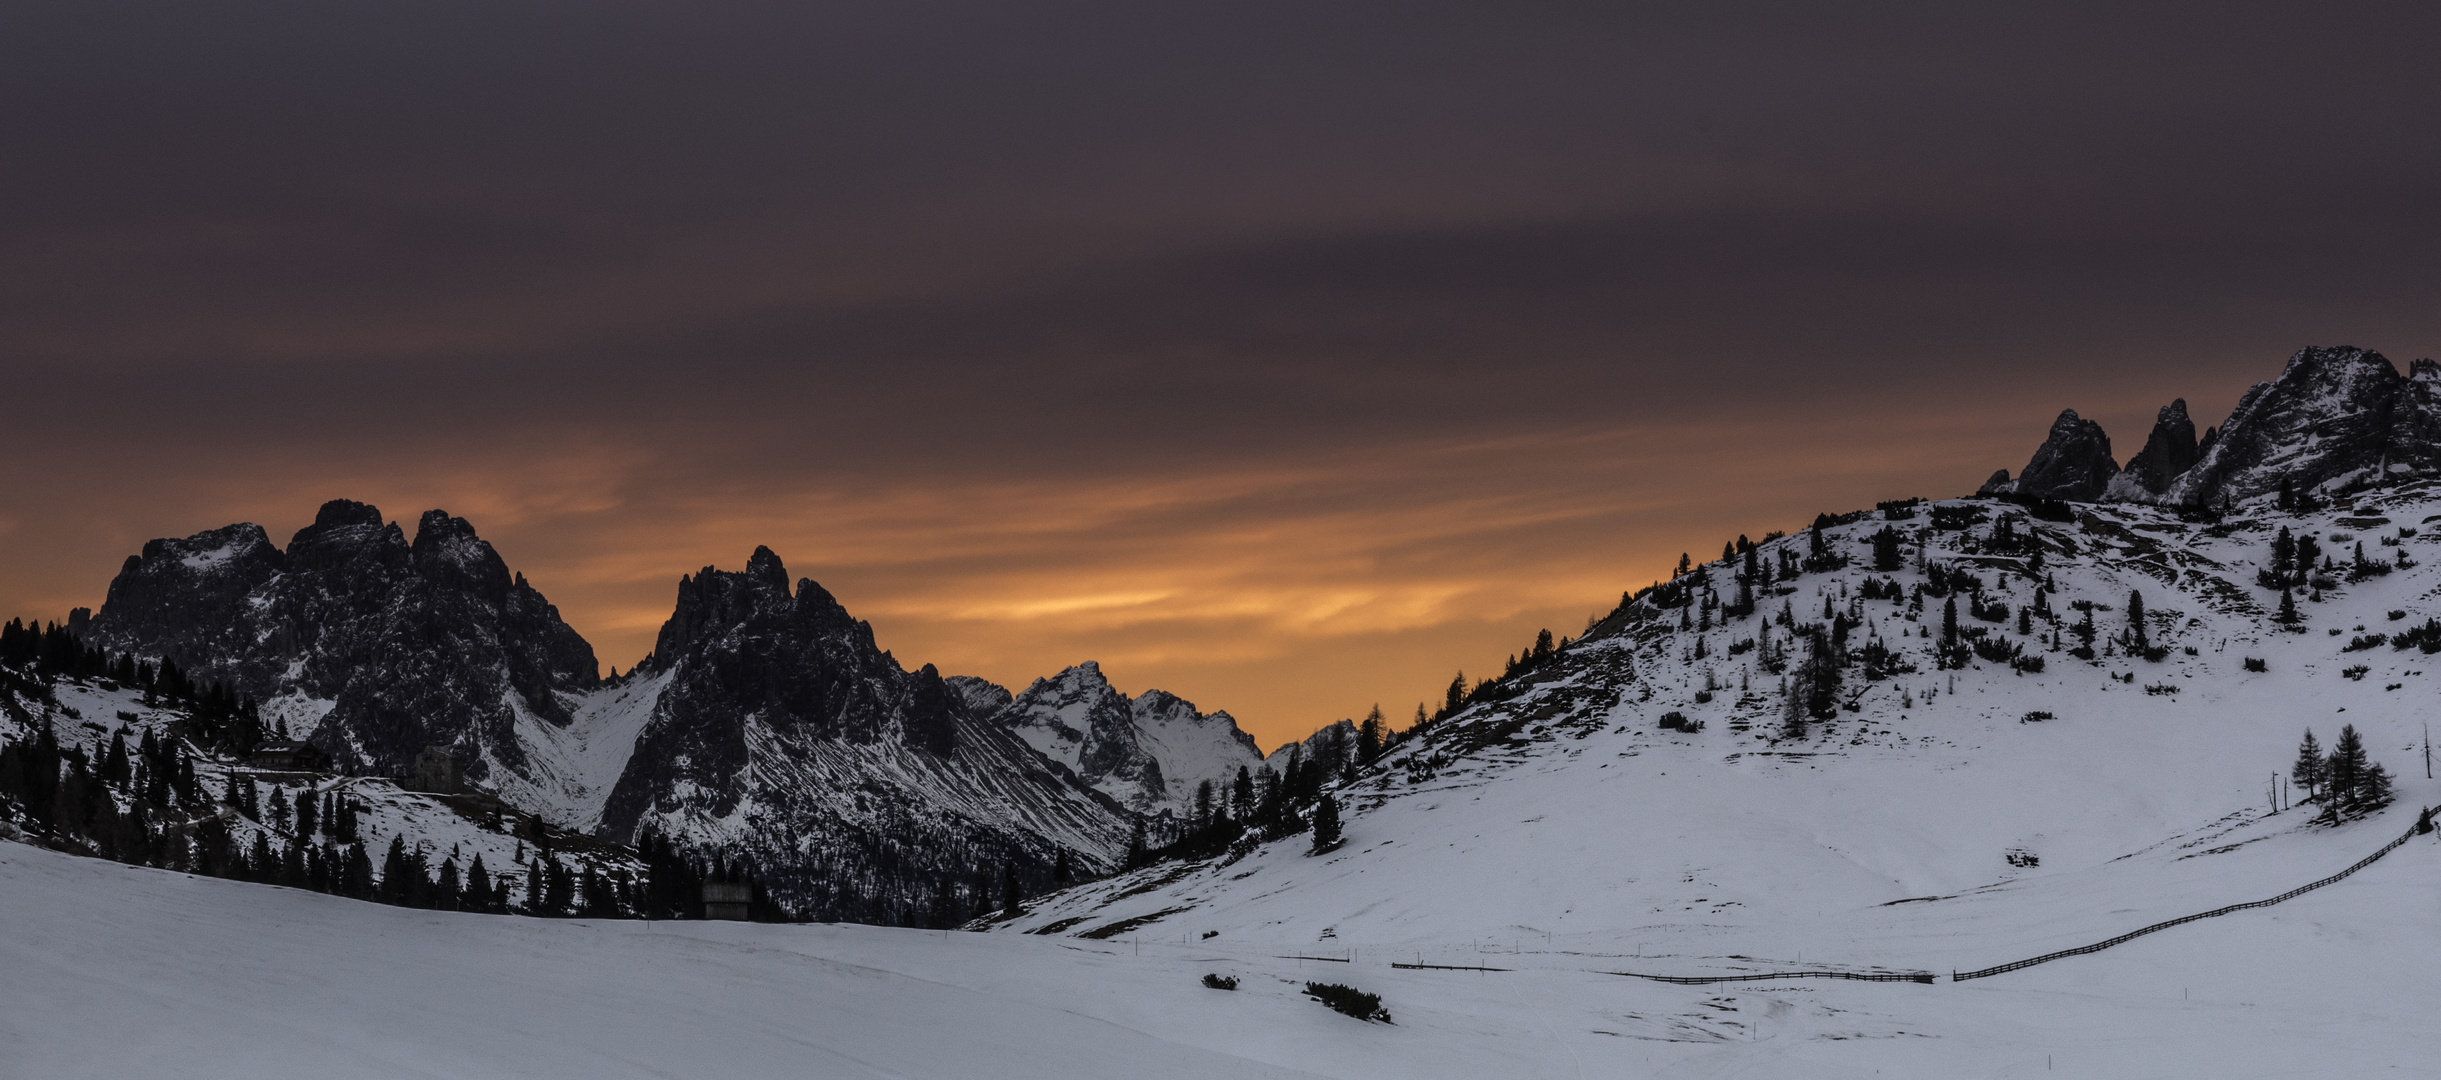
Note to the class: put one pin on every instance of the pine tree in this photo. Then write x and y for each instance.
(478, 893)
(115, 769)
(1135, 842)
(2373, 788)
(2137, 643)
(2306, 772)
(2344, 774)
(1011, 896)
(1061, 869)
(1326, 824)
(446, 891)
(1949, 633)
(308, 820)
(279, 807)
(394, 871)
(2288, 609)
(1369, 733)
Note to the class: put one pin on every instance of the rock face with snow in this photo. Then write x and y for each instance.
(2334, 417)
(373, 646)
(2073, 463)
(1149, 752)
(782, 732)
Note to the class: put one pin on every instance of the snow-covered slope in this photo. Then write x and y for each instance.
(87, 714)
(131, 974)
(1932, 822)
(1150, 752)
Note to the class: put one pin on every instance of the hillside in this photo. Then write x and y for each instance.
(1930, 822)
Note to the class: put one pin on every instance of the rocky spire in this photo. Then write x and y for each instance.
(2073, 463)
(2168, 452)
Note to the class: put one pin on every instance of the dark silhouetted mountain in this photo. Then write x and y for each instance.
(778, 730)
(2168, 452)
(370, 646)
(2337, 419)
(2073, 463)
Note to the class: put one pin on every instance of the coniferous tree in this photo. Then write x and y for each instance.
(1061, 870)
(115, 769)
(1011, 896)
(2373, 789)
(446, 893)
(2288, 609)
(1369, 733)
(359, 872)
(478, 893)
(1135, 841)
(1326, 823)
(1949, 633)
(279, 807)
(2137, 643)
(2344, 773)
(2306, 772)
(394, 871)
(308, 815)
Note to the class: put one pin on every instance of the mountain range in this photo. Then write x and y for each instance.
(2336, 418)
(767, 723)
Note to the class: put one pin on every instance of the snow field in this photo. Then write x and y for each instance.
(125, 972)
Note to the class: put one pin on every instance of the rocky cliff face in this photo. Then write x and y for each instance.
(2168, 453)
(1149, 752)
(2073, 463)
(2326, 421)
(371, 646)
(2336, 418)
(781, 731)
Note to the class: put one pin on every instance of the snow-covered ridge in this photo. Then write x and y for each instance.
(1939, 817)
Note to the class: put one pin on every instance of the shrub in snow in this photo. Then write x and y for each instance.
(1349, 1000)
(2255, 663)
(1221, 982)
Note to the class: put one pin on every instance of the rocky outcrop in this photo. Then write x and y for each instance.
(2335, 417)
(783, 733)
(371, 646)
(1149, 752)
(2168, 453)
(2073, 463)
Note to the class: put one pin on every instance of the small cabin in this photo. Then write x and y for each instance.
(285, 755)
(727, 900)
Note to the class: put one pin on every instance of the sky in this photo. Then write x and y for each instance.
(1290, 357)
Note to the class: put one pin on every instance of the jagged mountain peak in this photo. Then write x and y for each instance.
(1149, 752)
(2074, 462)
(372, 647)
(2337, 417)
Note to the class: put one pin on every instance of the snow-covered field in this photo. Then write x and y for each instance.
(122, 972)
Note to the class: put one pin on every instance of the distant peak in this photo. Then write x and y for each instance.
(437, 525)
(343, 512)
(764, 566)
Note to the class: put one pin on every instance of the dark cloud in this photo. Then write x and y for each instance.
(692, 277)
